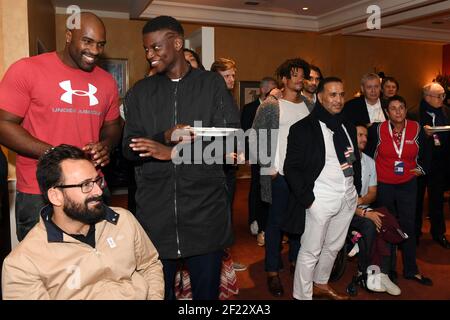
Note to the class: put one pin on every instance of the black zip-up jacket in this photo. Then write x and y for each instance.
(182, 207)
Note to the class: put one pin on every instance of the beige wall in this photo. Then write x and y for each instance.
(14, 32)
(13, 42)
(258, 53)
(41, 22)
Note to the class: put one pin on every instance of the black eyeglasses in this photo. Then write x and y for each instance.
(86, 186)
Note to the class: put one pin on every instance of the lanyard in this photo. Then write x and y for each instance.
(397, 150)
(433, 117)
(348, 137)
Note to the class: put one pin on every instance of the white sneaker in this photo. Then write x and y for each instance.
(254, 228)
(354, 250)
(391, 287)
(374, 282)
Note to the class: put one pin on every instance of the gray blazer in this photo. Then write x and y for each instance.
(267, 117)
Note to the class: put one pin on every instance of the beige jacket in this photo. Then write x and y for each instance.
(49, 264)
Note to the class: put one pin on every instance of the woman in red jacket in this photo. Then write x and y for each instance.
(397, 156)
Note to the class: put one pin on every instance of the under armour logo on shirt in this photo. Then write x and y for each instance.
(67, 96)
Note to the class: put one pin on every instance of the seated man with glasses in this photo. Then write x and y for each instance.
(81, 249)
(434, 113)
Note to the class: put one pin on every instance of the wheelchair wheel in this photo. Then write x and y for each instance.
(339, 265)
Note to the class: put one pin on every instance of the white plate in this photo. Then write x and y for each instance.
(213, 131)
(439, 129)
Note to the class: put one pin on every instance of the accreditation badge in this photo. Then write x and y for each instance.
(399, 168)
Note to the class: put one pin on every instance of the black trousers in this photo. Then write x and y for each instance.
(230, 176)
(400, 200)
(257, 209)
(421, 187)
(368, 231)
(437, 181)
(204, 272)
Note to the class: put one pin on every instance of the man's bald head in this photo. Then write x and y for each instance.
(89, 19)
(84, 45)
(434, 94)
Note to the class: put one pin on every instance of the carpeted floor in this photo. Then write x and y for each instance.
(433, 261)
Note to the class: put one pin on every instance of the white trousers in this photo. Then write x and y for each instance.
(326, 227)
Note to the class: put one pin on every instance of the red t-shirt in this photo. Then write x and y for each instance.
(386, 156)
(58, 104)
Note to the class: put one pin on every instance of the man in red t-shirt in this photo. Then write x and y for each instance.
(55, 98)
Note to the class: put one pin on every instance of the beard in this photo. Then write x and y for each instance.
(82, 212)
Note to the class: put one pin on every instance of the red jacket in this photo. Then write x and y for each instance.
(385, 154)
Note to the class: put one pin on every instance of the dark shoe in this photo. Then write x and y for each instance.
(352, 288)
(421, 279)
(328, 293)
(275, 286)
(443, 242)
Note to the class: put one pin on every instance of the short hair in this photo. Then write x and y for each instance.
(326, 80)
(163, 23)
(396, 98)
(223, 64)
(391, 79)
(361, 125)
(266, 80)
(285, 69)
(196, 57)
(49, 173)
(369, 76)
(316, 69)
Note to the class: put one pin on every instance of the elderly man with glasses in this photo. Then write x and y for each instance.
(433, 113)
(81, 249)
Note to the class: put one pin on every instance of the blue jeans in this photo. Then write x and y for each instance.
(273, 233)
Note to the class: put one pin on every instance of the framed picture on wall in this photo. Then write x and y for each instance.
(119, 70)
(248, 92)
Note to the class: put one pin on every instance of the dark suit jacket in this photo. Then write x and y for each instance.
(355, 111)
(438, 157)
(248, 114)
(305, 159)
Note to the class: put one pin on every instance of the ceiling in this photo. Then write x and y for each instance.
(439, 22)
(315, 7)
(103, 5)
(408, 19)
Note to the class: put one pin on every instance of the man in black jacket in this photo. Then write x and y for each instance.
(182, 206)
(367, 108)
(323, 170)
(433, 113)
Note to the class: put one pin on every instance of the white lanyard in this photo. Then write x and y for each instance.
(397, 150)
(433, 117)
(348, 137)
